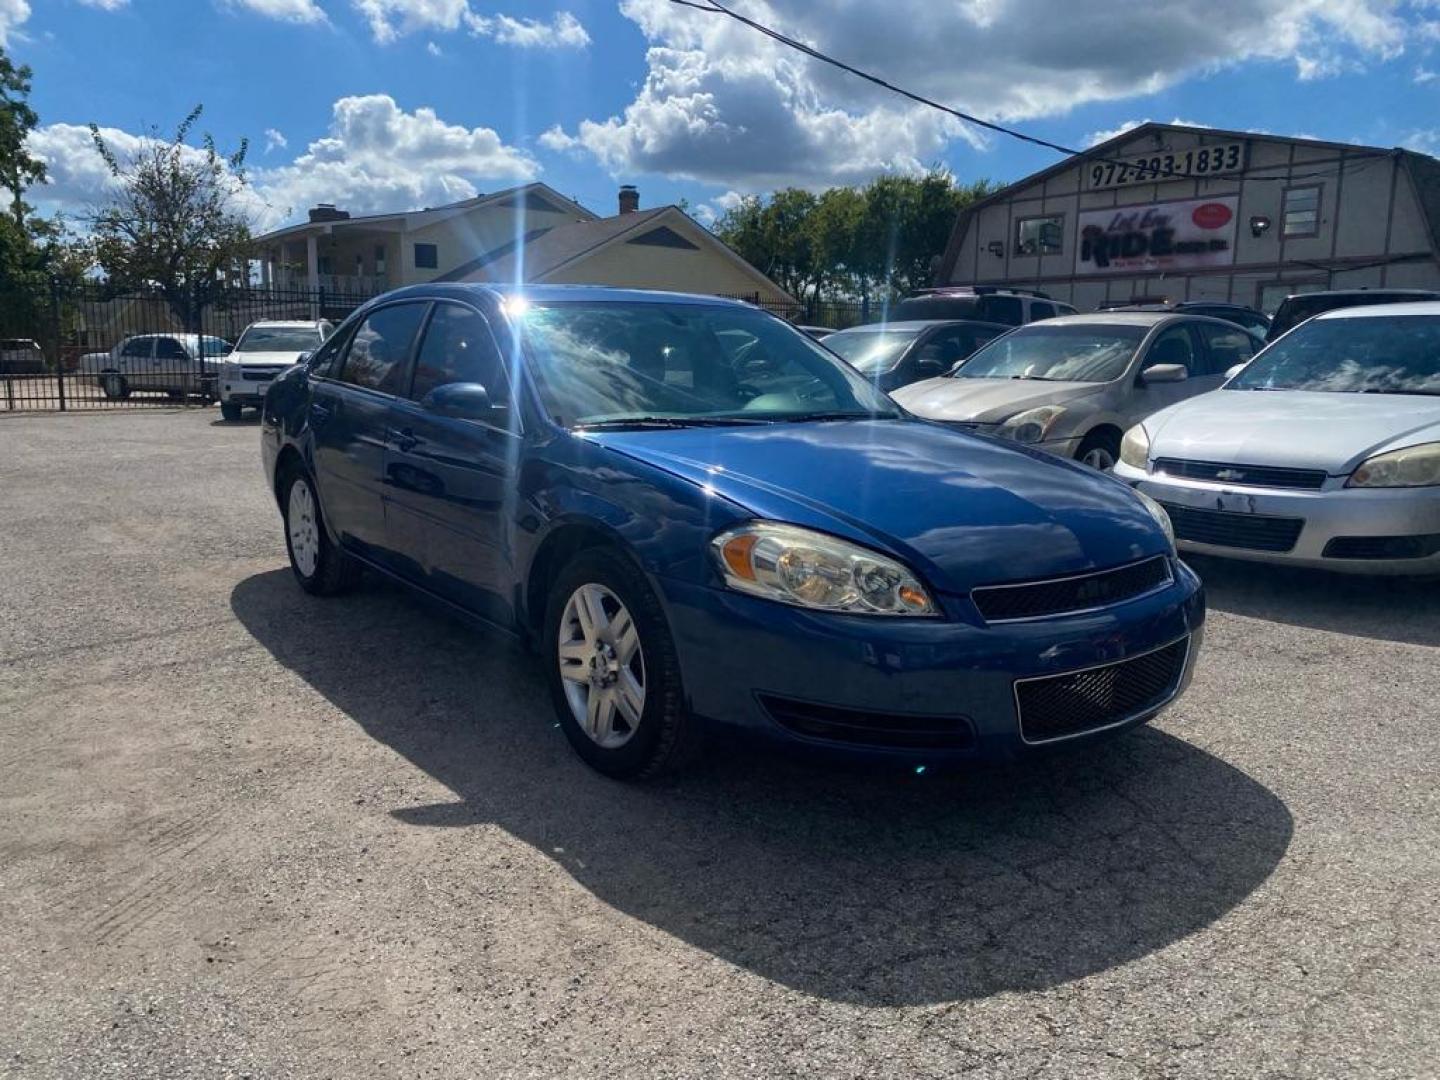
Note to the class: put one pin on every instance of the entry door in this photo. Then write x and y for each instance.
(350, 419)
(449, 480)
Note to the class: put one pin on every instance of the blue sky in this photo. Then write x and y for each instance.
(388, 104)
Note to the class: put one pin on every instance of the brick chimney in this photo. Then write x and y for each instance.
(629, 199)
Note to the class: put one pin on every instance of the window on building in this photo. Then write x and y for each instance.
(427, 257)
(378, 351)
(380, 258)
(1040, 235)
(1300, 214)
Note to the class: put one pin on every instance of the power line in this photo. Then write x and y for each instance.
(714, 7)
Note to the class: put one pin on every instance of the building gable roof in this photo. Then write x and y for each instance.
(1112, 144)
(536, 196)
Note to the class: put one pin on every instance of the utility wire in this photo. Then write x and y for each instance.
(714, 7)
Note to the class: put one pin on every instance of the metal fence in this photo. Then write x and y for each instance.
(91, 346)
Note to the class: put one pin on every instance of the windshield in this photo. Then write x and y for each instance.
(871, 351)
(1373, 354)
(1084, 353)
(683, 363)
(296, 339)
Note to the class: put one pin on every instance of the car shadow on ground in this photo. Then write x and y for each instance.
(871, 886)
(1398, 609)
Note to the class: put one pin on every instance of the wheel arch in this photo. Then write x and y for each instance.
(563, 542)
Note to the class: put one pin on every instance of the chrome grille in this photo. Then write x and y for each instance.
(1271, 476)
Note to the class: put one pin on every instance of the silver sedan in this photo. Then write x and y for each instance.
(1073, 385)
(1324, 451)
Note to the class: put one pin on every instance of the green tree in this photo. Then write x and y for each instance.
(18, 169)
(906, 224)
(174, 223)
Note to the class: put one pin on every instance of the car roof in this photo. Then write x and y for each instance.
(1419, 294)
(1366, 311)
(554, 293)
(922, 324)
(298, 323)
(1121, 318)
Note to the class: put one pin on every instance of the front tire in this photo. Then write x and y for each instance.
(320, 567)
(230, 411)
(115, 386)
(1100, 450)
(613, 671)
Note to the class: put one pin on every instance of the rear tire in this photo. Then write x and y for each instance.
(659, 738)
(320, 567)
(1100, 450)
(231, 411)
(115, 386)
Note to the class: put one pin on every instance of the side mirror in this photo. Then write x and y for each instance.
(1230, 373)
(1164, 373)
(462, 401)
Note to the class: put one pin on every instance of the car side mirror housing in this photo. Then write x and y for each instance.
(462, 401)
(1230, 373)
(1164, 373)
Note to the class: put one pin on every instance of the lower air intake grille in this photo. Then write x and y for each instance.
(1057, 596)
(1222, 528)
(1382, 547)
(1061, 705)
(860, 728)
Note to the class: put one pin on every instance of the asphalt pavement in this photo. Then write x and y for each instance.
(248, 833)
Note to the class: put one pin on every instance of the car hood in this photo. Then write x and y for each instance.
(1297, 429)
(962, 510)
(987, 401)
(264, 359)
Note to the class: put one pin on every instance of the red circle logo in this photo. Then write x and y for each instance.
(1211, 215)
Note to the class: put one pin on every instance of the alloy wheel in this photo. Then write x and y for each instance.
(602, 666)
(1099, 458)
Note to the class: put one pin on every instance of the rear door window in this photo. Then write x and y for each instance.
(1041, 309)
(167, 348)
(380, 348)
(137, 348)
(1002, 309)
(1225, 347)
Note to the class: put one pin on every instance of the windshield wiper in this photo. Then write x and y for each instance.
(623, 422)
(1384, 390)
(800, 418)
(1037, 378)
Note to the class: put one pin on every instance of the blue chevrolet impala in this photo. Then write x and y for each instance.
(700, 516)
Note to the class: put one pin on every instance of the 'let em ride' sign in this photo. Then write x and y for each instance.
(1185, 234)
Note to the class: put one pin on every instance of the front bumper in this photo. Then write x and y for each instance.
(1334, 518)
(740, 655)
(244, 388)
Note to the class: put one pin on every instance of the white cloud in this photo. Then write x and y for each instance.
(12, 14)
(392, 19)
(389, 19)
(1426, 141)
(434, 49)
(275, 140)
(105, 5)
(376, 157)
(562, 32)
(296, 11)
(1423, 75)
(723, 105)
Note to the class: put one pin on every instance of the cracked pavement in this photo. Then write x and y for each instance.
(248, 833)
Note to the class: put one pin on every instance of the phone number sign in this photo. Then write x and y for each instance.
(1182, 235)
(1199, 162)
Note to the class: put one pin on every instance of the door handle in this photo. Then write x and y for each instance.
(404, 439)
(319, 413)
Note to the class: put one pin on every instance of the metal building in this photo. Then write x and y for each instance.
(1181, 213)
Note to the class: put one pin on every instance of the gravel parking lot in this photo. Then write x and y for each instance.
(244, 832)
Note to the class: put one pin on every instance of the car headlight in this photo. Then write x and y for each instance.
(1158, 513)
(1414, 466)
(1032, 425)
(1135, 448)
(813, 570)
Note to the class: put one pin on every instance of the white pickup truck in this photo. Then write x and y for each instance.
(264, 350)
(178, 365)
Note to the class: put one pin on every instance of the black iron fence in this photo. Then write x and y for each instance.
(92, 346)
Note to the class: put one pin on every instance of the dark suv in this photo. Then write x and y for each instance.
(1296, 309)
(980, 303)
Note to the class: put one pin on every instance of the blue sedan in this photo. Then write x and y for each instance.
(698, 515)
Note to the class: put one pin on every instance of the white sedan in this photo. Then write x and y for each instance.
(1323, 451)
